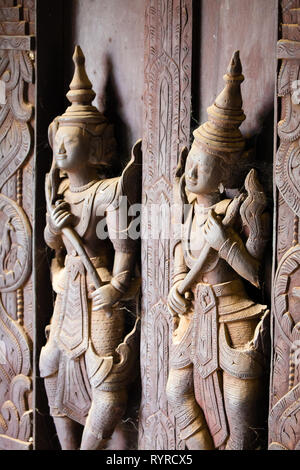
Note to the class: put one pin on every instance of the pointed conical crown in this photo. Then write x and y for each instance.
(220, 135)
(81, 96)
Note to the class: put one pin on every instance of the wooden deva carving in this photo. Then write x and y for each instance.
(284, 418)
(168, 40)
(90, 355)
(16, 210)
(218, 363)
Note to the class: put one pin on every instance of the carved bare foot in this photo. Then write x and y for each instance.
(201, 440)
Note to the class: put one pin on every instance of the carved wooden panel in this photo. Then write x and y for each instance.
(168, 43)
(16, 214)
(284, 419)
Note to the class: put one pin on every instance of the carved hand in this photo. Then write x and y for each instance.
(104, 297)
(60, 216)
(177, 304)
(214, 231)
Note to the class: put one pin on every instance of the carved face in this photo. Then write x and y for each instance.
(203, 172)
(71, 148)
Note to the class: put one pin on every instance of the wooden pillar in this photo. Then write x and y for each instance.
(284, 418)
(167, 98)
(16, 217)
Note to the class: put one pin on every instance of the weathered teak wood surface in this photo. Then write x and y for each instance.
(284, 418)
(16, 215)
(168, 40)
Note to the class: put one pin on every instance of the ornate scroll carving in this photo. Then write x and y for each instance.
(21, 43)
(168, 40)
(15, 369)
(15, 140)
(11, 13)
(15, 246)
(284, 422)
(16, 76)
(11, 28)
(285, 310)
(288, 49)
(284, 427)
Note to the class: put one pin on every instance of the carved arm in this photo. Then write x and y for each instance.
(231, 248)
(123, 267)
(52, 238)
(235, 253)
(180, 268)
(177, 303)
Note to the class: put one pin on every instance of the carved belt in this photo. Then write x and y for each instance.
(228, 288)
(233, 302)
(214, 305)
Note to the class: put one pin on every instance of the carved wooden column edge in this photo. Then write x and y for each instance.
(167, 102)
(17, 27)
(284, 417)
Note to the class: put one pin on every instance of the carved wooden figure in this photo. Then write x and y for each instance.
(217, 363)
(90, 354)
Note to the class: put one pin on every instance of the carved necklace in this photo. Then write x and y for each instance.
(212, 259)
(201, 213)
(80, 189)
(87, 208)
